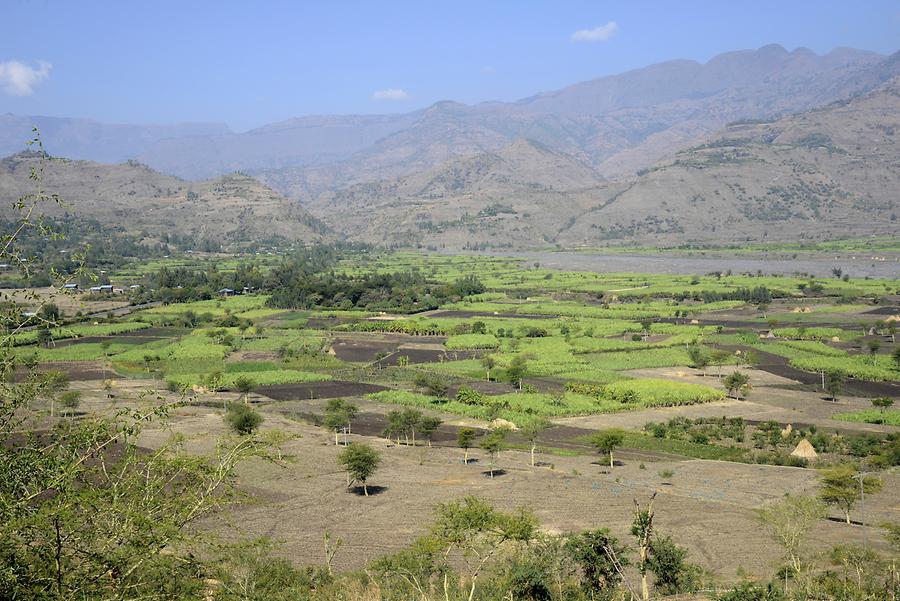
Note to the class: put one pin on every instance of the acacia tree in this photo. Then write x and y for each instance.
(719, 358)
(789, 521)
(411, 420)
(699, 359)
(600, 558)
(834, 382)
(606, 442)
(245, 386)
(843, 486)
(242, 419)
(464, 440)
(736, 383)
(517, 369)
(360, 461)
(642, 530)
(488, 363)
(54, 384)
(883, 403)
(70, 400)
(492, 444)
(428, 425)
(338, 416)
(532, 431)
(477, 532)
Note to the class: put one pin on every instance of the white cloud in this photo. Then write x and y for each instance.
(19, 79)
(390, 94)
(597, 34)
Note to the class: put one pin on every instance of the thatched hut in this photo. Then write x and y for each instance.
(805, 450)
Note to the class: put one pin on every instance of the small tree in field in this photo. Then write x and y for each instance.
(719, 358)
(428, 425)
(360, 461)
(338, 415)
(531, 433)
(699, 359)
(843, 486)
(883, 403)
(896, 357)
(465, 438)
(488, 363)
(70, 400)
(478, 532)
(834, 382)
(242, 419)
(493, 444)
(517, 369)
(245, 386)
(736, 383)
(606, 442)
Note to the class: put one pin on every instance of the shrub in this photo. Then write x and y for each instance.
(242, 419)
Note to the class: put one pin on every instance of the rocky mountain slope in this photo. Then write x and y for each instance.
(134, 198)
(828, 172)
(521, 195)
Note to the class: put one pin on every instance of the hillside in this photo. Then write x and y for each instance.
(829, 172)
(521, 195)
(134, 198)
(833, 172)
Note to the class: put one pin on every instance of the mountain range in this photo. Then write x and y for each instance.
(752, 145)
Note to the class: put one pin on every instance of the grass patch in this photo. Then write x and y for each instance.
(472, 341)
(871, 416)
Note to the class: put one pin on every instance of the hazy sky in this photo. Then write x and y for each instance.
(249, 63)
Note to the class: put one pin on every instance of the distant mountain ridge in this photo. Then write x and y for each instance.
(91, 140)
(830, 172)
(617, 124)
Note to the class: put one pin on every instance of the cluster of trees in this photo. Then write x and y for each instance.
(309, 279)
(402, 291)
(406, 423)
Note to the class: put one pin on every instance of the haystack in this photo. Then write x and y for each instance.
(805, 450)
(503, 424)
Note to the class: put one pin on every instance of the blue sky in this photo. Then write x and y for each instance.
(247, 64)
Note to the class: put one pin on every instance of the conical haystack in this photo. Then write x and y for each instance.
(805, 450)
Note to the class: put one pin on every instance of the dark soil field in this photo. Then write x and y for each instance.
(884, 311)
(366, 348)
(780, 366)
(76, 370)
(421, 355)
(118, 338)
(316, 390)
